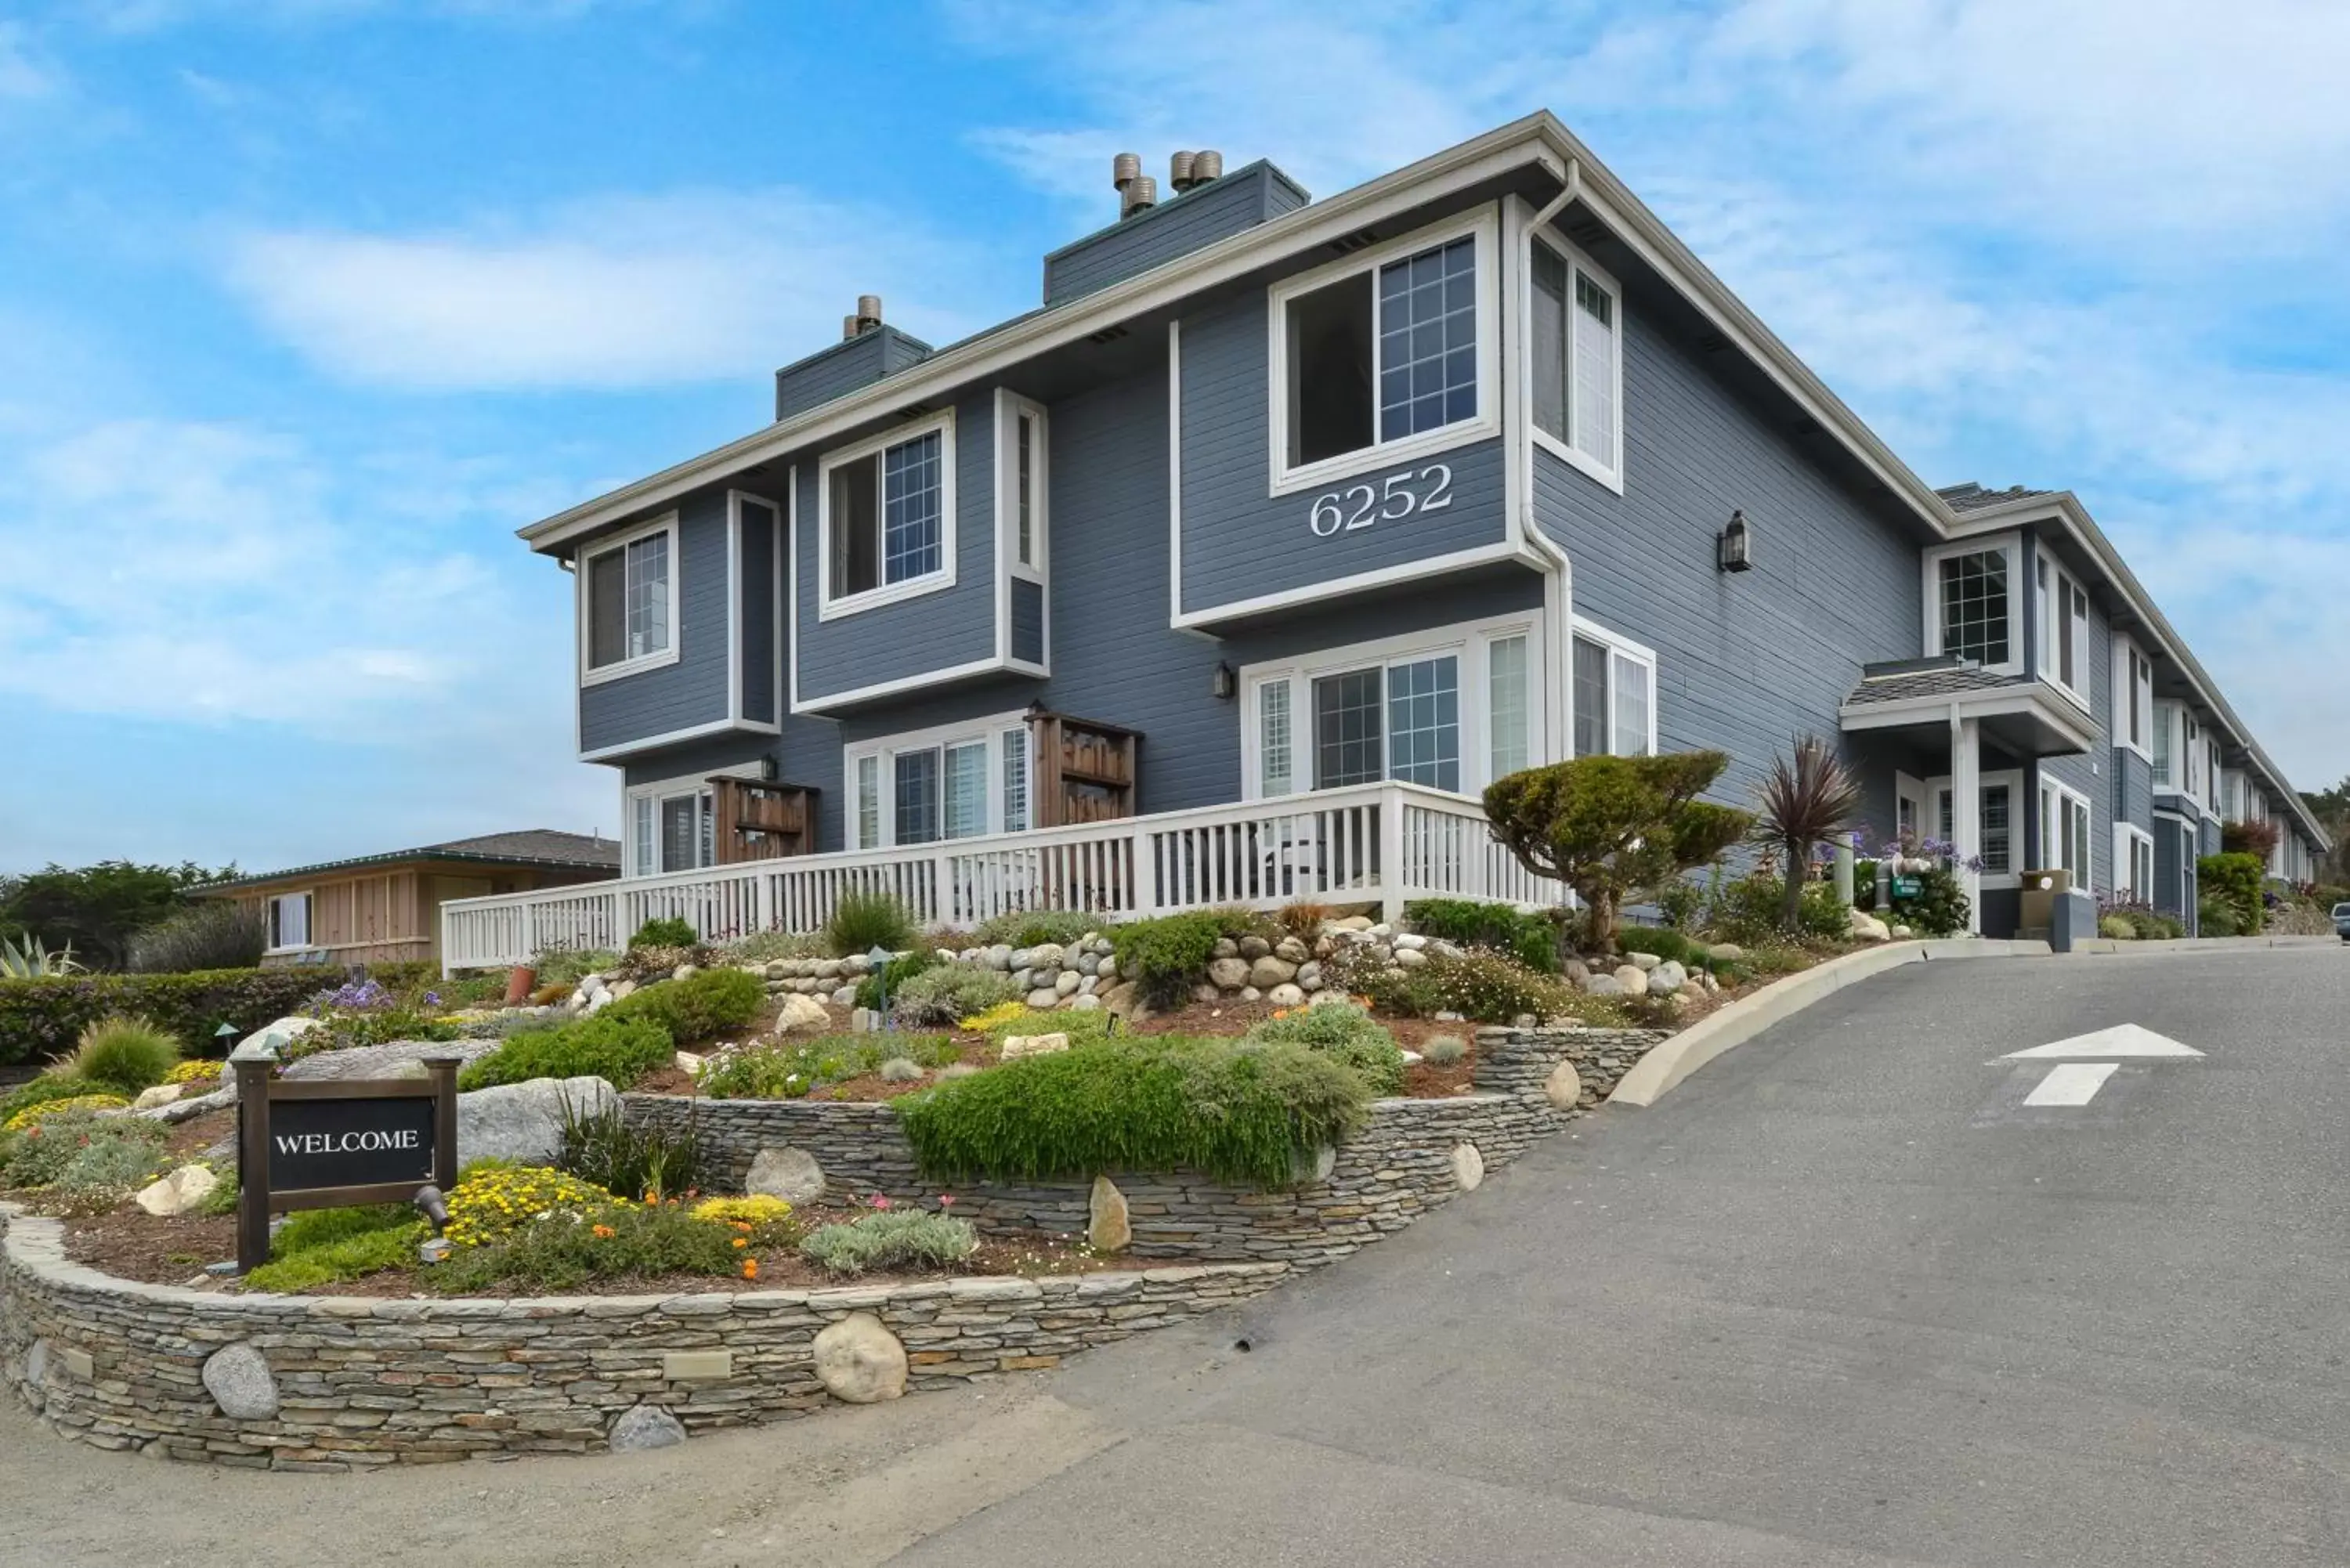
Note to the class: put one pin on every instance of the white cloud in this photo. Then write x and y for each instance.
(619, 292)
(22, 77)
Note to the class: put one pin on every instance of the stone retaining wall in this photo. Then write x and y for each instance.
(362, 1382)
(1405, 1161)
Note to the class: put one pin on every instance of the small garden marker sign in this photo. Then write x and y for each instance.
(323, 1143)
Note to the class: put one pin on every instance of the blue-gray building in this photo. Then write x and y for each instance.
(1471, 467)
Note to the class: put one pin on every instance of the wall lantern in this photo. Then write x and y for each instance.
(1733, 550)
(1226, 683)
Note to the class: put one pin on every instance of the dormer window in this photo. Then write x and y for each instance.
(887, 519)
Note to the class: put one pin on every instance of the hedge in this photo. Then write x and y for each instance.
(42, 1018)
(2234, 881)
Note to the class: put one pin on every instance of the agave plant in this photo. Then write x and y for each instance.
(26, 957)
(1806, 800)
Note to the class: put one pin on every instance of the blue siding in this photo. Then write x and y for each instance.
(847, 365)
(694, 689)
(1239, 544)
(1027, 621)
(2133, 800)
(1746, 662)
(2083, 772)
(936, 631)
(762, 668)
(1197, 217)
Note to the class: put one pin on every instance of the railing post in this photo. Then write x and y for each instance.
(1390, 854)
(1147, 894)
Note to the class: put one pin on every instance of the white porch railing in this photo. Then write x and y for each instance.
(1384, 842)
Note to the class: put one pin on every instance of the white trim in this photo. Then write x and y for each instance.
(2067, 796)
(629, 748)
(834, 700)
(1432, 566)
(987, 729)
(1283, 479)
(1930, 561)
(2052, 616)
(2035, 698)
(1175, 472)
(1469, 641)
(583, 633)
(942, 425)
(791, 573)
(1011, 408)
(668, 788)
(1617, 645)
(736, 501)
(2014, 779)
(309, 897)
(2127, 836)
(2124, 699)
(1609, 474)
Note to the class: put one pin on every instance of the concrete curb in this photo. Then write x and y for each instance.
(1659, 1071)
(2204, 944)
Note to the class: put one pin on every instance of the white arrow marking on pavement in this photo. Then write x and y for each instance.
(2106, 1044)
(2072, 1083)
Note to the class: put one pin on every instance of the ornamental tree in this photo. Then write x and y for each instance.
(1611, 828)
(1803, 800)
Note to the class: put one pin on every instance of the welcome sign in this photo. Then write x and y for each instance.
(350, 1143)
(323, 1143)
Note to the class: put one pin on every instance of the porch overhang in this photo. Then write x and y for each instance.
(2025, 717)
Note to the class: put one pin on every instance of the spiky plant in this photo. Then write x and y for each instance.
(26, 958)
(1806, 799)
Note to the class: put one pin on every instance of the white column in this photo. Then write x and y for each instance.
(1966, 809)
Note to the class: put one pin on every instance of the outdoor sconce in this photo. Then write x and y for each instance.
(1226, 683)
(1732, 549)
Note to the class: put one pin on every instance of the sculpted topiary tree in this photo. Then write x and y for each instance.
(1611, 828)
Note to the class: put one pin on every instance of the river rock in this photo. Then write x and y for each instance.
(1564, 1087)
(182, 1192)
(1644, 961)
(238, 1378)
(1269, 972)
(859, 1362)
(1254, 948)
(1042, 997)
(1285, 996)
(1467, 1166)
(1668, 977)
(160, 1094)
(797, 1012)
(1108, 1227)
(524, 1122)
(782, 1171)
(1228, 973)
(643, 1427)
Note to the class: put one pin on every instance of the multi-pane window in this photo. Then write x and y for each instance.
(1615, 699)
(672, 827)
(916, 806)
(1576, 351)
(2065, 831)
(1975, 589)
(868, 803)
(1381, 354)
(1995, 824)
(886, 515)
(1024, 481)
(2163, 724)
(1508, 716)
(1424, 723)
(966, 790)
(2133, 695)
(1014, 744)
(954, 782)
(1346, 736)
(629, 602)
(2063, 626)
(1274, 769)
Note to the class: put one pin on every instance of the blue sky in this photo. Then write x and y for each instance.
(306, 305)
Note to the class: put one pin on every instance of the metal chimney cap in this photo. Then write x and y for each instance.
(1141, 195)
(847, 327)
(1124, 170)
(1179, 171)
(868, 308)
(1207, 165)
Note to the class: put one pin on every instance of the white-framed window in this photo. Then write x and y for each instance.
(627, 588)
(2169, 767)
(1974, 603)
(672, 827)
(1612, 694)
(955, 781)
(2064, 826)
(1027, 496)
(886, 518)
(1386, 355)
(289, 921)
(1996, 820)
(2133, 864)
(2132, 699)
(1575, 334)
(1452, 709)
(2063, 650)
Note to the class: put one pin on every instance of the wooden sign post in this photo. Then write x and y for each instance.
(321, 1143)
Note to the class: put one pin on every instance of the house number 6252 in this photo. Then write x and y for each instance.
(1394, 499)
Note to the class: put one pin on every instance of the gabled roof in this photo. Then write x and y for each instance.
(541, 848)
(1973, 497)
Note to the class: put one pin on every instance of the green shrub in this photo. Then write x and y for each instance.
(791, 1070)
(765, 947)
(569, 966)
(701, 1006)
(885, 981)
(649, 1160)
(112, 1166)
(2234, 880)
(863, 921)
(47, 1089)
(893, 1238)
(565, 1251)
(2116, 928)
(1476, 984)
(1749, 908)
(210, 933)
(42, 1017)
(320, 1246)
(340, 1029)
(2217, 918)
(667, 931)
(1240, 1111)
(1028, 927)
(1444, 1050)
(1168, 956)
(1345, 1032)
(1665, 944)
(619, 1051)
(949, 993)
(1532, 939)
(1938, 908)
(124, 1055)
(40, 1156)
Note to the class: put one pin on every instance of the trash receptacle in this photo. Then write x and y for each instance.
(2041, 890)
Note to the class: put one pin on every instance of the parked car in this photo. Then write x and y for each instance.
(2341, 921)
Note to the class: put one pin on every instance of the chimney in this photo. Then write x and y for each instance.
(847, 327)
(1207, 165)
(1179, 172)
(868, 312)
(1124, 170)
(1141, 195)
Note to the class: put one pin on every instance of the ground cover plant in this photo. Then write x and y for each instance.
(567, 967)
(1031, 928)
(793, 1069)
(322, 1246)
(1487, 987)
(1344, 1033)
(573, 1242)
(701, 1006)
(619, 1051)
(1752, 909)
(1241, 1111)
(950, 993)
(890, 1238)
(1166, 956)
(881, 985)
(1532, 939)
(72, 1150)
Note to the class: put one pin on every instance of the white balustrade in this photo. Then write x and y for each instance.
(1379, 844)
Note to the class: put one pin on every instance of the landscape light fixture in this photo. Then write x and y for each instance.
(879, 958)
(1733, 549)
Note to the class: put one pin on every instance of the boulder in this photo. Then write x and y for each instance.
(392, 1059)
(160, 1094)
(1564, 1087)
(643, 1426)
(1669, 977)
(1869, 928)
(1902, 933)
(1331, 997)
(1206, 991)
(271, 1039)
(999, 956)
(687, 1063)
(798, 1012)
(1066, 983)
(1254, 948)
(1107, 968)
(1351, 923)
(1467, 1166)
(1575, 970)
(1229, 973)
(1225, 948)
(524, 1122)
(859, 1362)
(238, 1378)
(182, 1192)
(1727, 950)
(782, 1171)
(1084, 1001)
(1121, 998)
(1285, 996)
(1042, 997)
(1603, 984)
(1015, 1046)
(1410, 957)
(1631, 980)
(1645, 960)
(1269, 972)
(1292, 949)
(1108, 1227)
(846, 996)
(1407, 940)
(1309, 975)
(1251, 993)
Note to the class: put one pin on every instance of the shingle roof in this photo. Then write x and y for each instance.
(1947, 682)
(541, 847)
(1973, 497)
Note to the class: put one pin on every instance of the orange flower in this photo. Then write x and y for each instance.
(742, 1242)
(750, 1268)
(602, 1231)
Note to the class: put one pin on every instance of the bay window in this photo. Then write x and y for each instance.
(628, 602)
(960, 781)
(1972, 603)
(886, 518)
(1576, 341)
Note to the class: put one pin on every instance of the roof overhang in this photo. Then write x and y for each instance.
(1539, 142)
(2032, 719)
(408, 859)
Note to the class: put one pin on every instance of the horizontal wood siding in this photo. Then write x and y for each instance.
(840, 370)
(1177, 227)
(694, 689)
(1239, 543)
(1027, 620)
(2133, 788)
